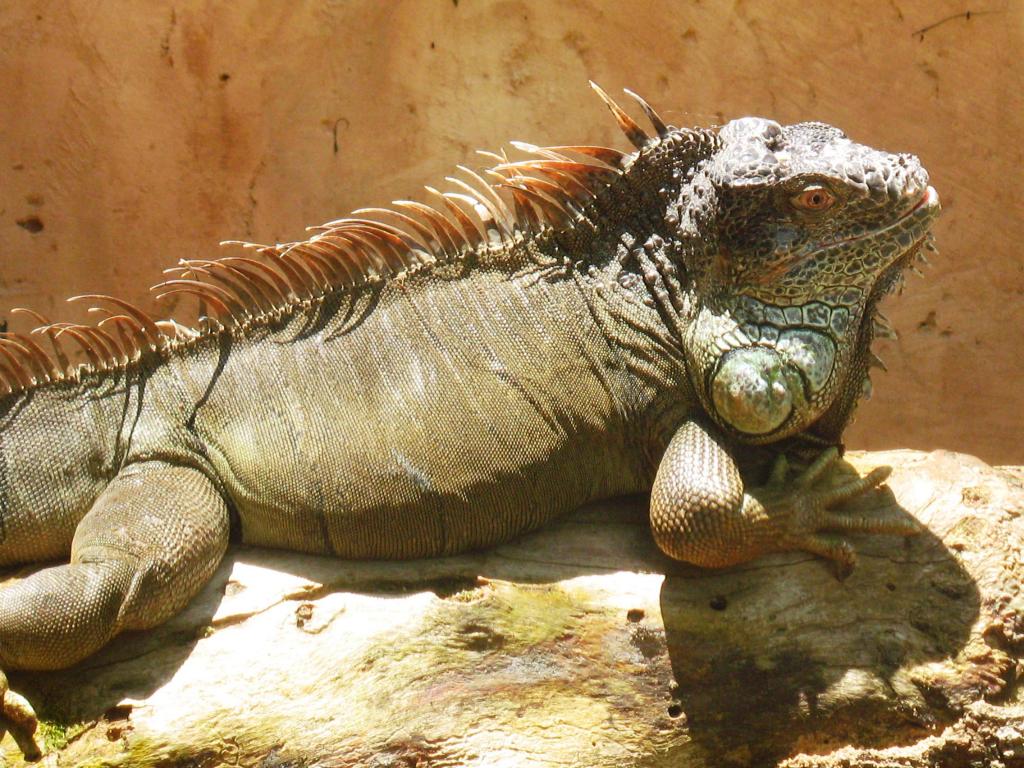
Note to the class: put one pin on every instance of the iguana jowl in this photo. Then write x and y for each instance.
(420, 381)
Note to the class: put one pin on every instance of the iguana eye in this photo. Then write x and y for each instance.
(814, 199)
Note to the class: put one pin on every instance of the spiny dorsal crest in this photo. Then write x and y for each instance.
(505, 204)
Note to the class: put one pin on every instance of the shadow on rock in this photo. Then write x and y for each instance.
(779, 656)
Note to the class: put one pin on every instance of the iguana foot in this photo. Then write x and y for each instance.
(17, 716)
(804, 512)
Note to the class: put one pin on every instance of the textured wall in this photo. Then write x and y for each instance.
(135, 134)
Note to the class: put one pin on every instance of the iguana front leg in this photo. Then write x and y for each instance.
(701, 513)
(152, 539)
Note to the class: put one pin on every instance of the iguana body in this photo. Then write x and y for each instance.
(438, 383)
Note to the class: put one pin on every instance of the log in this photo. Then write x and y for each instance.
(582, 645)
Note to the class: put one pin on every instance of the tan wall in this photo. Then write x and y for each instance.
(138, 133)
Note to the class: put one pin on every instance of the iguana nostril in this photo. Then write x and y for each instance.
(751, 391)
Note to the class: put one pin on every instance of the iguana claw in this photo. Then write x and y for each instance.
(807, 515)
(18, 717)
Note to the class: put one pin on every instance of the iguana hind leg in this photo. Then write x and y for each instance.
(151, 540)
(701, 513)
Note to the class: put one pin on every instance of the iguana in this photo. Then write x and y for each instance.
(422, 380)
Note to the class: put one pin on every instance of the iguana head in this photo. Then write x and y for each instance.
(796, 233)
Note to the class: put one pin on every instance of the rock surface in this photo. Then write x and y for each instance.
(582, 645)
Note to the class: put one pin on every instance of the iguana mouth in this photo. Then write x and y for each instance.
(930, 197)
(926, 208)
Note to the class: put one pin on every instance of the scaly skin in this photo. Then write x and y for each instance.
(639, 347)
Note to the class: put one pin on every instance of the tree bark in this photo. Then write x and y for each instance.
(582, 645)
